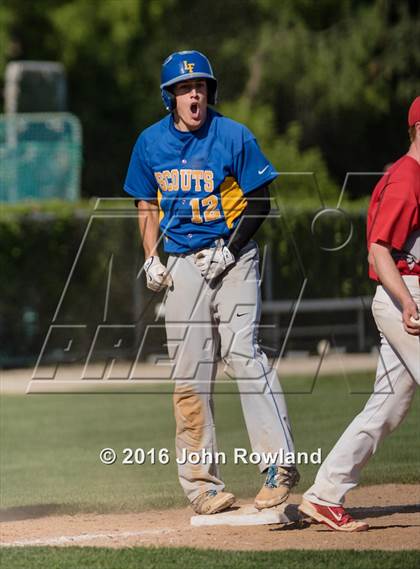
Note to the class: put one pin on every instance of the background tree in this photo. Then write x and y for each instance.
(324, 85)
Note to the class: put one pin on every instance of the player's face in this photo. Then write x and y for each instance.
(191, 104)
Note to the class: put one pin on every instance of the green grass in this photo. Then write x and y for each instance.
(136, 557)
(50, 445)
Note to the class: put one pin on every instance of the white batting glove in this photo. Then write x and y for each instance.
(213, 262)
(157, 276)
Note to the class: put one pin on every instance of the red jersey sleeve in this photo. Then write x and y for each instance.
(394, 215)
(394, 211)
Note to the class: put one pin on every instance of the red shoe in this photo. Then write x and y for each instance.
(335, 517)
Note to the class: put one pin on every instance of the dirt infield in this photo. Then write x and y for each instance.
(393, 512)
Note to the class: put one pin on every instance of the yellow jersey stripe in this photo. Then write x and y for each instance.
(161, 213)
(233, 200)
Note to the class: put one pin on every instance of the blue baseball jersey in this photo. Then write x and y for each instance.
(200, 178)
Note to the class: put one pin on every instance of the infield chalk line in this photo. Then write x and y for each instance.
(62, 540)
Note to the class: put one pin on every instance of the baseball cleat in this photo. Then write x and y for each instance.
(335, 517)
(278, 483)
(212, 502)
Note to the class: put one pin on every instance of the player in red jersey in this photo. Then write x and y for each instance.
(393, 239)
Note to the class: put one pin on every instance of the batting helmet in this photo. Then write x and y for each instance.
(182, 66)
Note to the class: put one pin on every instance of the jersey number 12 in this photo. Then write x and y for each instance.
(210, 212)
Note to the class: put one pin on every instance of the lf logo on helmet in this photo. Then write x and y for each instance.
(189, 66)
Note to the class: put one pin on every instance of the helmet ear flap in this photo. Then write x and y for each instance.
(168, 99)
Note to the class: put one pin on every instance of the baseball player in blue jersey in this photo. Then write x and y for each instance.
(200, 179)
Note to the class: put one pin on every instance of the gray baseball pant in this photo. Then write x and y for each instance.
(198, 317)
(397, 377)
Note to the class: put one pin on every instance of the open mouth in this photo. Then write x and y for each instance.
(195, 111)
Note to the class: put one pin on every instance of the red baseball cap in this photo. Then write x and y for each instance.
(414, 112)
